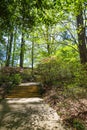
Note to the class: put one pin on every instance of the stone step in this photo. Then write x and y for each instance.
(23, 95)
(26, 93)
(33, 88)
(25, 90)
(15, 92)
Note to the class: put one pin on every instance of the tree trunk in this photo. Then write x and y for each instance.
(81, 38)
(9, 49)
(47, 40)
(22, 50)
(14, 46)
(32, 57)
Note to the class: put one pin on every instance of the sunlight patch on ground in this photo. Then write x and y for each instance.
(23, 100)
(29, 84)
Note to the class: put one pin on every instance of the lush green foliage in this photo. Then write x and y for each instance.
(9, 78)
(81, 76)
(16, 79)
(27, 75)
(46, 25)
(47, 34)
(78, 125)
(54, 70)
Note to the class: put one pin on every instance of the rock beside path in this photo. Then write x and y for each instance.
(28, 114)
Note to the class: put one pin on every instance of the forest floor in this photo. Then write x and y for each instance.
(72, 109)
(28, 114)
(59, 106)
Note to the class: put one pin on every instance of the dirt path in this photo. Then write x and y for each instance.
(28, 114)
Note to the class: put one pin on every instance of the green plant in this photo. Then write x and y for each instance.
(27, 75)
(4, 78)
(53, 70)
(81, 76)
(9, 80)
(78, 125)
(16, 79)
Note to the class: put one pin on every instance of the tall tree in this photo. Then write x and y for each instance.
(22, 50)
(81, 35)
(32, 56)
(14, 46)
(9, 49)
(28, 15)
(76, 8)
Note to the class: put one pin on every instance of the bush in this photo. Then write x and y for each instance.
(52, 70)
(78, 125)
(10, 75)
(27, 75)
(4, 79)
(81, 76)
(9, 79)
(16, 79)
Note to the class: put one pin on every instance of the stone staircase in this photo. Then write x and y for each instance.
(25, 90)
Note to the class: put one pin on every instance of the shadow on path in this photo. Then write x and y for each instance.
(4, 109)
(16, 114)
(26, 114)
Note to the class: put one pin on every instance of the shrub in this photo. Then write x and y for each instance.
(4, 79)
(10, 75)
(78, 125)
(81, 76)
(9, 79)
(53, 70)
(16, 79)
(27, 75)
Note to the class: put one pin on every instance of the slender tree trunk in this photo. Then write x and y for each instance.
(81, 38)
(32, 57)
(9, 49)
(47, 40)
(14, 47)
(48, 48)
(22, 50)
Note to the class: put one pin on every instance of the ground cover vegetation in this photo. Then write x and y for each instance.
(46, 41)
